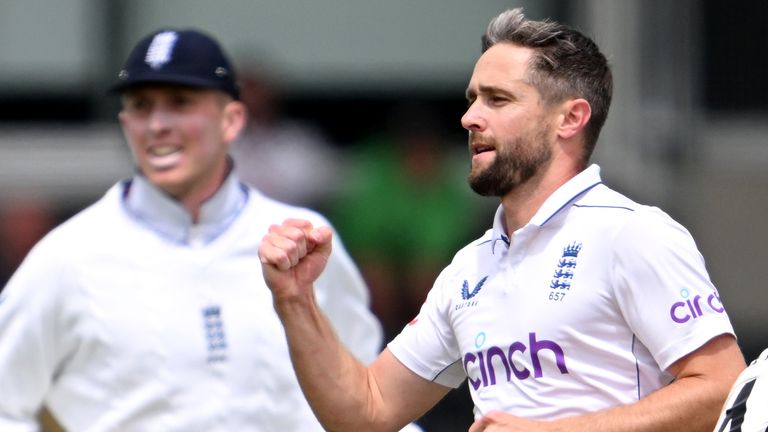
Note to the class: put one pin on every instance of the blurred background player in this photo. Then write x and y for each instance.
(147, 310)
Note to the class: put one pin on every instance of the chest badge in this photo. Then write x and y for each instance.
(566, 265)
(214, 333)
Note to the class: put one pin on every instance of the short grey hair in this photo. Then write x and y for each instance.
(566, 64)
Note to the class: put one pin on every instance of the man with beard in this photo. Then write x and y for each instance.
(579, 310)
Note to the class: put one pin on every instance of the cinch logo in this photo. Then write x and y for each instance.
(691, 308)
(496, 359)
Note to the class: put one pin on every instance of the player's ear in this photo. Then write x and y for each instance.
(124, 99)
(575, 113)
(233, 120)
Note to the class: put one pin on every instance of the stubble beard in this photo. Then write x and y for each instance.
(516, 162)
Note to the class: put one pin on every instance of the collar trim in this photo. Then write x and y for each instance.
(563, 197)
(156, 210)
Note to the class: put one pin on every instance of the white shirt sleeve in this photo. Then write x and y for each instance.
(34, 337)
(659, 272)
(427, 345)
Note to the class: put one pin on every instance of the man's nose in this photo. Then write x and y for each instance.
(472, 119)
(160, 120)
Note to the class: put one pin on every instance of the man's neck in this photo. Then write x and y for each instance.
(193, 200)
(522, 203)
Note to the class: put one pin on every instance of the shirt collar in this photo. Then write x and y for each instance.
(163, 214)
(560, 199)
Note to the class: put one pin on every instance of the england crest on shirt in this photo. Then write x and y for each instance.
(214, 333)
(562, 277)
(566, 265)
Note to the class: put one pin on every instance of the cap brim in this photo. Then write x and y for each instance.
(164, 78)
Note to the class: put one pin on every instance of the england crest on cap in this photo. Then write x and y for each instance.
(184, 57)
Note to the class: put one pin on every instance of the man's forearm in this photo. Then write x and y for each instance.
(681, 406)
(333, 380)
(684, 405)
(691, 403)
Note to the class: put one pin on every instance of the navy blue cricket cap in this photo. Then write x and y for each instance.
(186, 57)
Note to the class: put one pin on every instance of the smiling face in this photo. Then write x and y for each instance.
(179, 137)
(510, 132)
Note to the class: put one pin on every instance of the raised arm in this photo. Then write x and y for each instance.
(343, 296)
(344, 394)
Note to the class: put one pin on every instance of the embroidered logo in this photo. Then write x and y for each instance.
(214, 333)
(161, 49)
(465, 294)
(563, 275)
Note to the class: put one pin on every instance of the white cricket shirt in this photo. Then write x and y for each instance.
(129, 318)
(583, 309)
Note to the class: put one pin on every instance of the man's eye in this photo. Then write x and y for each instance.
(182, 101)
(138, 105)
(496, 100)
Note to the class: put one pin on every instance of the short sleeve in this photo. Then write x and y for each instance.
(663, 289)
(427, 345)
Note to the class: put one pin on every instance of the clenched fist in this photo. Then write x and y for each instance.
(293, 255)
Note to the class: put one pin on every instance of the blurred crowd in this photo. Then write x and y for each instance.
(24, 219)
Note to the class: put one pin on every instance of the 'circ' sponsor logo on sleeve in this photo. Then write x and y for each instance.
(694, 307)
